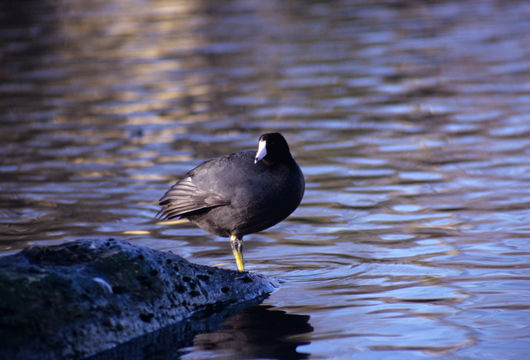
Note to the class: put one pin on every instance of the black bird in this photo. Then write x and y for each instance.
(240, 193)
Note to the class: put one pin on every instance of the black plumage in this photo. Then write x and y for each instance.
(240, 193)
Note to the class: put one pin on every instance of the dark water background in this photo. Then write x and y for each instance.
(410, 120)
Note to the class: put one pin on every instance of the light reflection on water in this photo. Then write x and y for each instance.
(410, 122)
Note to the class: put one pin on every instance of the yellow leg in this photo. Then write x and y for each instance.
(237, 249)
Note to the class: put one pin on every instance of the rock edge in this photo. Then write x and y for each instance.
(80, 298)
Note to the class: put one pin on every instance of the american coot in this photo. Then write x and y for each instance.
(239, 194)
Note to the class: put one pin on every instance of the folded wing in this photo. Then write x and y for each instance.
(185, 197)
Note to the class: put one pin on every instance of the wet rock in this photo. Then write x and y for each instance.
(84, 297)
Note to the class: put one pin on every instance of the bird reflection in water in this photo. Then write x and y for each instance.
(257, 332)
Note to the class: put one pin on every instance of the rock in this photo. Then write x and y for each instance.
(81, 298)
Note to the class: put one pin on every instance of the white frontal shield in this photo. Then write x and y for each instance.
(262, 151)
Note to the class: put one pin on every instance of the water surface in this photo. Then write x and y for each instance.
(410, 120)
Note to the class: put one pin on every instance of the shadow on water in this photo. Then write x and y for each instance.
(255, 332)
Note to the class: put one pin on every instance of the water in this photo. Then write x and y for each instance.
(409, 119)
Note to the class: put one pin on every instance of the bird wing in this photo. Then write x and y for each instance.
(185, 197)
